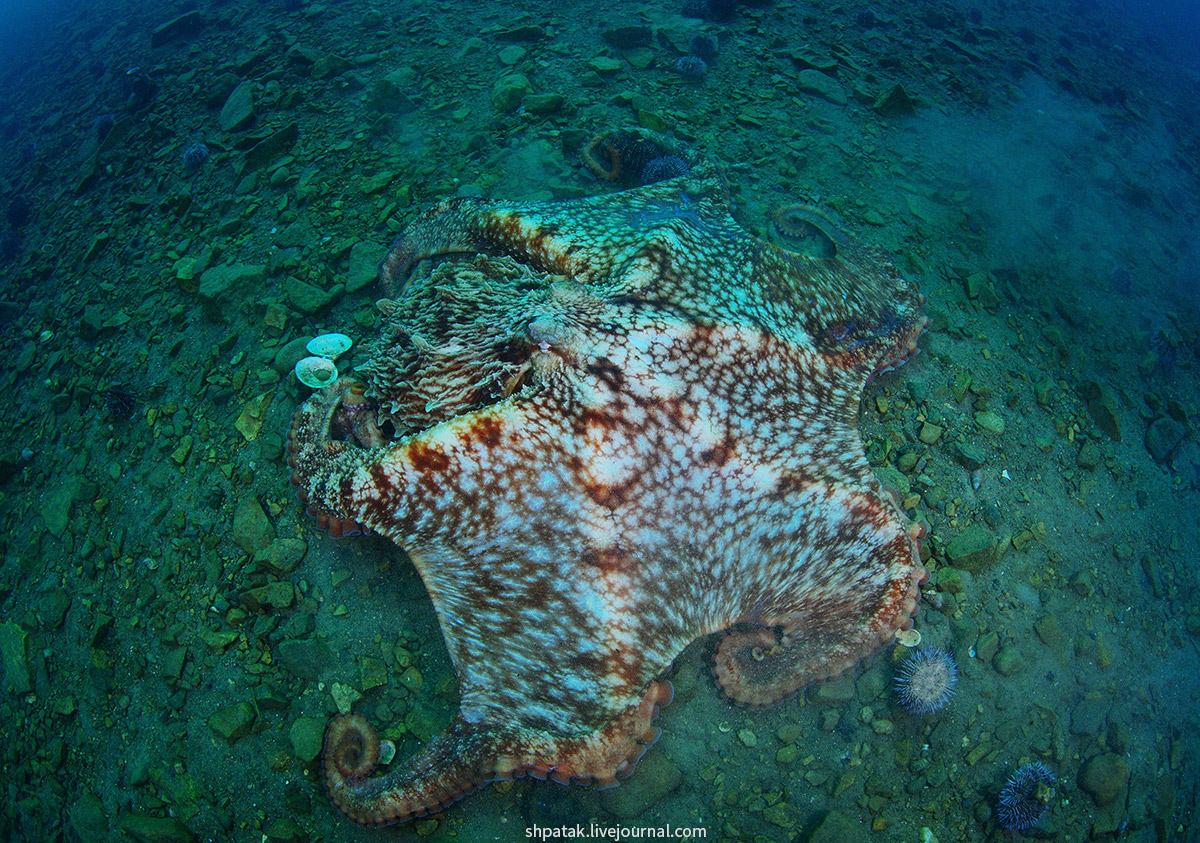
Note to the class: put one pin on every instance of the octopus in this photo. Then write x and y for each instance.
(603, 428)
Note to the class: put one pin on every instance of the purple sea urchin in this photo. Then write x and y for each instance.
(1026, 797)
(925, 682)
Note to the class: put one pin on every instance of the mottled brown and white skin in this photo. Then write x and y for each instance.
(601, 429)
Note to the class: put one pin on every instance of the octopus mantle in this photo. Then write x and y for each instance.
(601, 429)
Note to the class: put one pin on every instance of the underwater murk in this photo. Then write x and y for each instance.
(708, 420)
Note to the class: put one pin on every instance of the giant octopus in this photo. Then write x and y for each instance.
(601, 429)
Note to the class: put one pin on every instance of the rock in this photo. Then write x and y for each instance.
(53, 606)
(987, 646)
(1042, 390)
(1048, 630)
(1104, 778)
(234, 722)
(221, 285)
(1163, 437)
(274, 595)
(604, 65)
(270, 149)
(625, 37)
(281, 556)
(14, 658)
(56, 508)
(894, 102)
(973, 549)
(544, 103)
(238, 110)
(147, 829)
(252, 531)
(1087, 718)
(185, 24)
(950, 580)
(526, 33)
(989, 421)
(329, 65)
(305, 657)
(836, 692)
(512, 54)
(1089, 456)
(364, 265)
(290, 354)
(657, 776)
(89, 820)
(930, 433)
(1008, 661)
(305, 297)
(969, 455)
(839, 828)
(183, 449)
(508, 91)
(822, 85)
(307, 735)
(1102, 407)
(285, 830)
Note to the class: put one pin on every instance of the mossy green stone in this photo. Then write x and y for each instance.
(234, 722)
(1104, 777)
(973, 549)
(989, 421)
(1008, 661)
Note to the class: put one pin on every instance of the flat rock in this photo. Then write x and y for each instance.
(1104, 777)
(306, 298)
(657, 776)
(305, 657)
(252, 530)
(185, 24)
(1087, 717)
(604, 65)
(364, 265)
(307, 735)
(274, 595)
(56, 509)
(270, 148)
(509, 90)
(281, 556)
(145, 828)
(839, 828)
(238, 110)
(894, 102)
(626, 37)
(543, 103)
(973, 549)
(89, 819)
(822, 85)
(1102, 407)
(1163, 437)
(233, 722)
(14, 658)
(220, 285)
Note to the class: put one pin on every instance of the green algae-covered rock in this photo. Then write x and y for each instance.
(973, 549)
(234, 722)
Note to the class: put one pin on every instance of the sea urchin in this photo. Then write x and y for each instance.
(1026, 797)
(925, 682)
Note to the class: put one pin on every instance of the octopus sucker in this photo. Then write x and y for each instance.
(563, 396)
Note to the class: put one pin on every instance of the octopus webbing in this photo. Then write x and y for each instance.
(601, 429)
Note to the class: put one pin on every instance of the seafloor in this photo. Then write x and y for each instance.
(1037, 172)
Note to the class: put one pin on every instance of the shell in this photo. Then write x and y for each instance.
(329, 346)
(316, 372)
